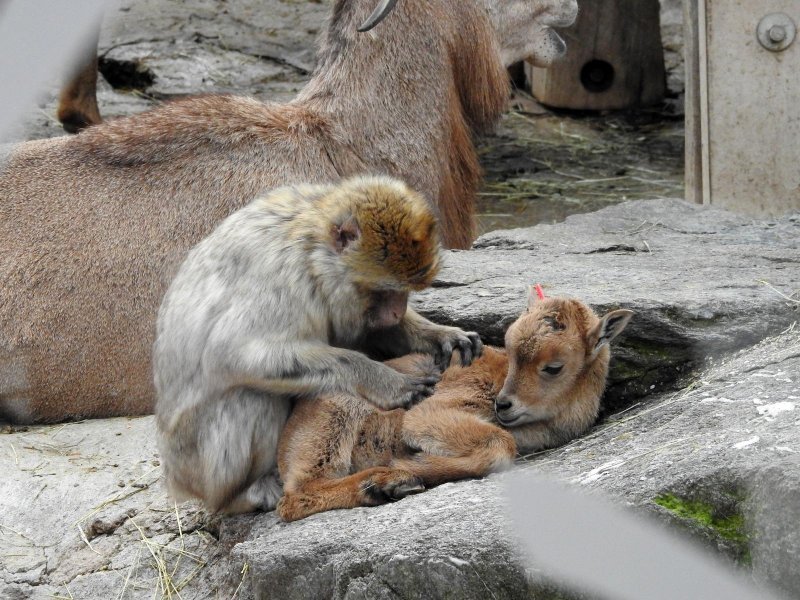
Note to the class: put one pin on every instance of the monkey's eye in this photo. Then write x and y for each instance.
(553, 369)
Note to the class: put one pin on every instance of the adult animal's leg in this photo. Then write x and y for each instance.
(77, 104)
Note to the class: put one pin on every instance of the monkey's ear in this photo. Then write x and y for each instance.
(345, 234)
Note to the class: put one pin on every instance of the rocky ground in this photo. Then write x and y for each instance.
(700, 429)
(700, 425)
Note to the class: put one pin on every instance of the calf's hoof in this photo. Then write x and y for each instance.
(388, 485)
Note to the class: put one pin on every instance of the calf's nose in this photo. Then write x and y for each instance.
(502, 403)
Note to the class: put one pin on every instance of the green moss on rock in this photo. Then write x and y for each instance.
(729, 527)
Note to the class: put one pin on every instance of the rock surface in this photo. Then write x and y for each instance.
(82, 509)
(727, 447)
(702, 281)
(713, 447)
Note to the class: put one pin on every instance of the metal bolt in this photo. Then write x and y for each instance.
(777, 34)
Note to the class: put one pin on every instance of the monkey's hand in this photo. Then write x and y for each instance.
(441, 342)
(402, 391)
(446, 340)
(421, 365)
(416, 334)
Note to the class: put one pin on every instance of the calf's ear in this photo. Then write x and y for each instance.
(610, 326)
(535, 294)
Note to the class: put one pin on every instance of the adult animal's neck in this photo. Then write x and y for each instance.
(407, 98)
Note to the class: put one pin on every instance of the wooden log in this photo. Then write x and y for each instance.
(614, 59)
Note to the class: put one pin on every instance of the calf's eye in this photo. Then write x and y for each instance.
(553, 369)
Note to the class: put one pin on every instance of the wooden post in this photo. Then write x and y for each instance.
(742, 107)
(614, 59)
(691, 53)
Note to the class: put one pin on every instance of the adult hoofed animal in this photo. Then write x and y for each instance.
(92, 227)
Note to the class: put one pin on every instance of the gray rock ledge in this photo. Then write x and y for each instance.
(710, 440)
(703, 282)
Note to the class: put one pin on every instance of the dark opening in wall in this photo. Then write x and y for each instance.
(597, 76)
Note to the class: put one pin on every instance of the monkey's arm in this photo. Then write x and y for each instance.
(417, 334)
(312, 369)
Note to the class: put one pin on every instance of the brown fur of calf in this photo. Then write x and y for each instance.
(340, 452)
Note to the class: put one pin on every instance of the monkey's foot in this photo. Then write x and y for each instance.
(262, 495)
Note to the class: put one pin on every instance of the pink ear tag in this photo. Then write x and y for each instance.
(539, 291)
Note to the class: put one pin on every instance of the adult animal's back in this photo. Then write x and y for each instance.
(86, 258)
(92, 227)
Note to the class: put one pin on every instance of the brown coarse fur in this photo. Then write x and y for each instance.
(337, 452)
(392, 242)
(93, 226)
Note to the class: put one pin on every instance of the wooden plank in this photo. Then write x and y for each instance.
(691, 55)
(705, 130)
(614, 59)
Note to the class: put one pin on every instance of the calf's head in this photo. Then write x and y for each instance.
(558, 358)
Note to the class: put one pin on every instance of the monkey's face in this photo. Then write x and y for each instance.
(386, 309)
(388, 237)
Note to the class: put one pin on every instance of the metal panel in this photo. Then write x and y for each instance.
(749, 103)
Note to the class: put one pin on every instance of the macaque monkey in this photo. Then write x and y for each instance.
(283, 301)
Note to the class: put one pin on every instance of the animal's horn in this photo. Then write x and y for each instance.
(378, 15)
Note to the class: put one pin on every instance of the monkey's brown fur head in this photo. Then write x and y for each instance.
(385, 231)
